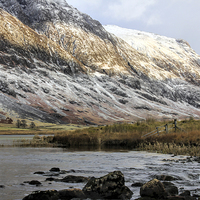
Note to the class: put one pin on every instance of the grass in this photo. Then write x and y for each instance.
(129, 136)
(185, 141)
(41, 128)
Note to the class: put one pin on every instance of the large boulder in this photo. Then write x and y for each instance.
(153, 189)
(110, 186)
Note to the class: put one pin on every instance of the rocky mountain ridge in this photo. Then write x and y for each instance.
(59, 65)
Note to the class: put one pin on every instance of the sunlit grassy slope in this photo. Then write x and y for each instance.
(41, 128)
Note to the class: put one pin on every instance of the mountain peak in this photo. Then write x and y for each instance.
(59, 65)
(36, 13)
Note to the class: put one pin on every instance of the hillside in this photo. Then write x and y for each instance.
(59, 65)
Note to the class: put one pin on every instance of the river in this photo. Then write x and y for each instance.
(18, 165)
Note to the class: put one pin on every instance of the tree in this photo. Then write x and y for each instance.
(32, 125)
(24, 123)
(18, 123)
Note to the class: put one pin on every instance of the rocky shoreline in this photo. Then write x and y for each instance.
(110, 186)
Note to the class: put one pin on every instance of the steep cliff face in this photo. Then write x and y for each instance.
(59, 65)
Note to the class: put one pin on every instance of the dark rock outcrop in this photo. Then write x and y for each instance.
(110, 186)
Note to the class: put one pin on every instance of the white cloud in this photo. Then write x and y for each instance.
(129, 10)
(154, 20)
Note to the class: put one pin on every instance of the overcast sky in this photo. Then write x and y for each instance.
(178, 19)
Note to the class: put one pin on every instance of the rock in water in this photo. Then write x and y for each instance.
(110, 186)
(153, 189)
(56, 195)
(43, 195)
(74, 179)
(35, 182)
(54, 169)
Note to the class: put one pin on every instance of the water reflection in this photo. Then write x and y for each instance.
(7, 140)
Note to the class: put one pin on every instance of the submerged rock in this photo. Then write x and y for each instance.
(110, 186)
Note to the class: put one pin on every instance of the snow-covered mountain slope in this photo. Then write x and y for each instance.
(59, 65)
(173, 55)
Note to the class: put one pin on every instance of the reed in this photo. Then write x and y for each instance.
(130, 136)
(127, 136)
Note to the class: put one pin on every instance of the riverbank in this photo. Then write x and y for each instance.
(185, 141)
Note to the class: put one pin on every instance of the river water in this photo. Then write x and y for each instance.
(18, 165)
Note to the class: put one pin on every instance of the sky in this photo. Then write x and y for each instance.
(179, 19)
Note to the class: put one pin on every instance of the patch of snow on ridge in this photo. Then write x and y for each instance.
(149, 43)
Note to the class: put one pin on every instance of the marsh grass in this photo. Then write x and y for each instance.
(37, 141)
(110, 135)
(130, 136)
(125, 135)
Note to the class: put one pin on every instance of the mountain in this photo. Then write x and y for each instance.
(59, 65)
